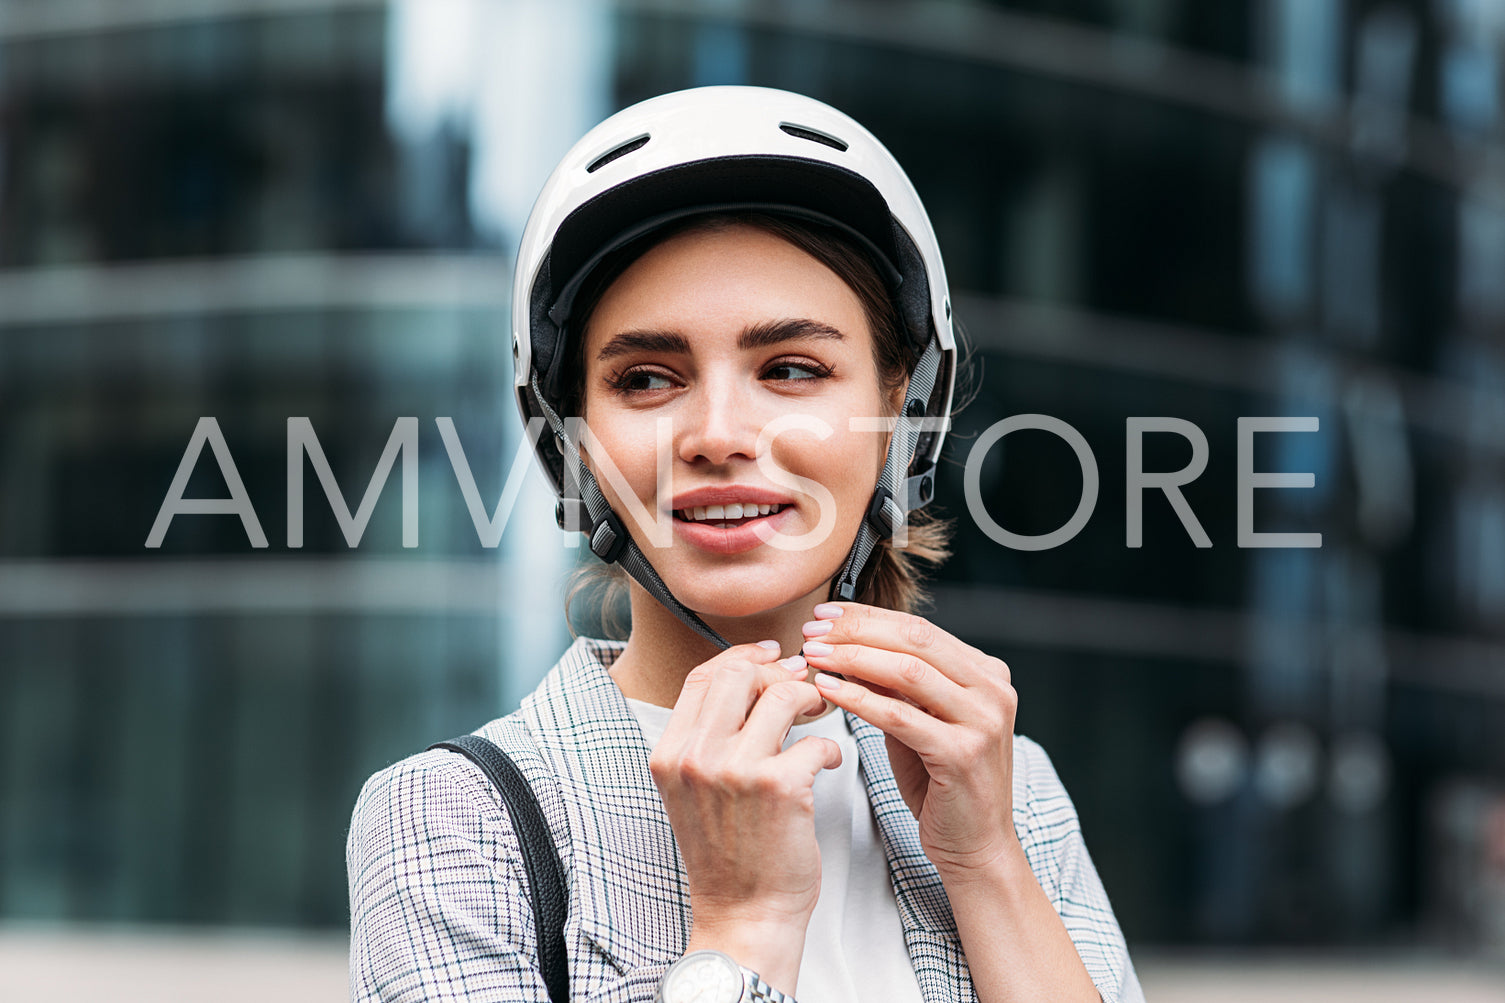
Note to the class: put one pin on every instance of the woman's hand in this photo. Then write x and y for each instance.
(743, 811)
(947, 710)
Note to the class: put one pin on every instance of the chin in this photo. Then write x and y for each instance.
(737, 606)
(750, 612)
(737, 596)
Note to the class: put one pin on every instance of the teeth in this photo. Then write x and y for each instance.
(717, 513)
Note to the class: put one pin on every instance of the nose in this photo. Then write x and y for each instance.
(718, 427)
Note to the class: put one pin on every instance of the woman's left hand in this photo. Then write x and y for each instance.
(947, 710)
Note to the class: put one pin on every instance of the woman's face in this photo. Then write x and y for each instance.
(750, 350)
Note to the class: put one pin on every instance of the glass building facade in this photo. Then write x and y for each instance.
(256, 212)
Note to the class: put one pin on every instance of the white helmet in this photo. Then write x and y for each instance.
(721, 149)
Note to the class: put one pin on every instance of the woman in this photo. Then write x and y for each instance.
(738, 291)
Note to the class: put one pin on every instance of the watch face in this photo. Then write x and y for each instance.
(704, 977)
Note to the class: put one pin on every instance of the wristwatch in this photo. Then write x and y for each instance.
(713, 977)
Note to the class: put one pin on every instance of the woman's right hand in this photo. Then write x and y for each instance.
(743, 811)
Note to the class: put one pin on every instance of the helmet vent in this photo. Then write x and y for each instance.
(802, 132)
(616, 153)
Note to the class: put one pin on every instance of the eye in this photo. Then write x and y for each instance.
(789, 370)
(639, 381)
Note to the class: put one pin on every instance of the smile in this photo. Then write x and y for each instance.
(726, 516)
(731, 529)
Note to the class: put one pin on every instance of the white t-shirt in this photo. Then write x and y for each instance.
(854, 946)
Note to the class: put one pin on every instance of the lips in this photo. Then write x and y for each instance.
(731, 536)
(728, 494)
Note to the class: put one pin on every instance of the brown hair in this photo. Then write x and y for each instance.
(892, 578)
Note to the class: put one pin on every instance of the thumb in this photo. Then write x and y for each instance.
(814, 754)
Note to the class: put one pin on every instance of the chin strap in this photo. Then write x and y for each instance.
(585, 509)
(899, 492)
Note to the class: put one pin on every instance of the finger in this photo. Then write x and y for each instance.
(905, 632)
(908, 676)
(733, 689)
(774, 712)
(812, 754)
(694, 694)
(904, 721)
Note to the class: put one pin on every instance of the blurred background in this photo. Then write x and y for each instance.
(1289, 763)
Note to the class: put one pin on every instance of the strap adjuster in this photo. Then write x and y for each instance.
(884, 514)
(609, 538)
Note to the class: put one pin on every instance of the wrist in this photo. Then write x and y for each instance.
(1000, 865)
(773, 949)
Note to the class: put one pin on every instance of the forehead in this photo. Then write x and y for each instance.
(711, 282)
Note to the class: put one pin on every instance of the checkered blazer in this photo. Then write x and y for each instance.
(438, 902)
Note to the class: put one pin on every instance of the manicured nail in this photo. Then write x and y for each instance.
(817, 648)
(815, 628)
(828, 611)
(770, 645)
(826, 682)
(794, 663)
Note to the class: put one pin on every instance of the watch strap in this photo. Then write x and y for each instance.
(755, 990)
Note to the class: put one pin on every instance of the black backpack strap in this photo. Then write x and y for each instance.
(540, 856)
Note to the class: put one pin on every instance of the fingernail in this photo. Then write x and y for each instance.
(815, 628)
(794, 663)
(826, 682)
(770, 645)
(817, 648)
(828, 611)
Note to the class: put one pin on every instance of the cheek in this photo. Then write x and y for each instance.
(612, 443)
(847, 463)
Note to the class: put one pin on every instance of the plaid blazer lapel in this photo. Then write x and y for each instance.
(935, 950)
(628, 895)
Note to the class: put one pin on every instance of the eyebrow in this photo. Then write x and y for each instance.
(762, 335)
